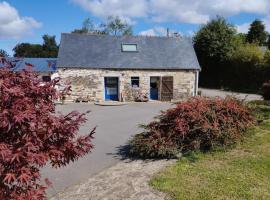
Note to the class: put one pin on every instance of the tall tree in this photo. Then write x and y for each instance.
(257, 33)
(3, 53)
(214, 45)
(113, 26)
(49, 49)
(116, 26)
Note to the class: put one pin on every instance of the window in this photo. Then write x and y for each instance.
(46, 78)
(135, 82)
(129, 47)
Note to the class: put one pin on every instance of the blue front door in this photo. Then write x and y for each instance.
(111, 88)
(154, 93)
(154, 88)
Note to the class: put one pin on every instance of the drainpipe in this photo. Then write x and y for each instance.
(196, 82)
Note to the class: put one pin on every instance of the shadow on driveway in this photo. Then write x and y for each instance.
(115, 126)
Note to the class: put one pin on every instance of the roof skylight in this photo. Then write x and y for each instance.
(129, 47)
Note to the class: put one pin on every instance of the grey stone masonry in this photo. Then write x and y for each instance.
(89, 83)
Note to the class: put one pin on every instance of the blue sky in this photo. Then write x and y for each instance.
(28, 20)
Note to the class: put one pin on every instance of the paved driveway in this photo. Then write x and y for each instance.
(115, 125)
(221, 93)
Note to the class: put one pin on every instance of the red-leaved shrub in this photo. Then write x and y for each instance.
(266, 90)
(31, 134)
(199, 123)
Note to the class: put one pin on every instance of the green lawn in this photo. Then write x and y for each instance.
(240, 173)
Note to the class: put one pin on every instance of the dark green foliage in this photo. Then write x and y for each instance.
(257, 33)
(49, 49)
(228, 61)
(197, 124)
(3, 53)
(28, 50)
(266, 90)
(213, 45)
(247, 69)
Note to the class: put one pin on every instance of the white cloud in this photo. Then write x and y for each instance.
(149, 32)
(122, 8)
(12, 25)
(156, 31)
(188, 11)
(243, 28)
(266, 21)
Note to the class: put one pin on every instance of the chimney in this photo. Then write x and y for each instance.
(168, 32)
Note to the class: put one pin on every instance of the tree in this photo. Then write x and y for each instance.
(113, 26)
(32, 134)
(214, 45)
(28, 50)
(116, 26)
(257, 33)
(245, 69)
(87, 27)
(49, 49)
(3, 53)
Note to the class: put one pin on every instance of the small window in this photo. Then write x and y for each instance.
(129, 47)
(46, 78)
(135, 82)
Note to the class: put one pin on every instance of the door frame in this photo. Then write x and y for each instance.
(158, 87)
(118, 86)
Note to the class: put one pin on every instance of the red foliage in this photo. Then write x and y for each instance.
(197, 124)
(32, 135)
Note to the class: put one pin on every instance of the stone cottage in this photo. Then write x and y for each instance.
(119, 68)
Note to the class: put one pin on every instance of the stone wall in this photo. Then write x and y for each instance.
(89, 83)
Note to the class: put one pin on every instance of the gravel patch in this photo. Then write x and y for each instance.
(127, 180)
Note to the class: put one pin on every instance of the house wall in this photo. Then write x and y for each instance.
(89, 83)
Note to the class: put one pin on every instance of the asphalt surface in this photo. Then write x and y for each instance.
(115, 125)
(221, 93)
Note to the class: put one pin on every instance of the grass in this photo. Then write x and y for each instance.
(239, 173)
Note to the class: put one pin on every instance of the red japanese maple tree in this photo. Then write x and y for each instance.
(32, 134)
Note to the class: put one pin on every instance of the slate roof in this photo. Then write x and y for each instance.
(103, 51)
(35, 64)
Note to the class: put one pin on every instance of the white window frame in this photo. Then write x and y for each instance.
(134, 78)
(125, 47)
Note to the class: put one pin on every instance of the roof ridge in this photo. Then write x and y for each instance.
(120, 36)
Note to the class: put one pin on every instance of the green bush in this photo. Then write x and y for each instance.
(197, 124)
